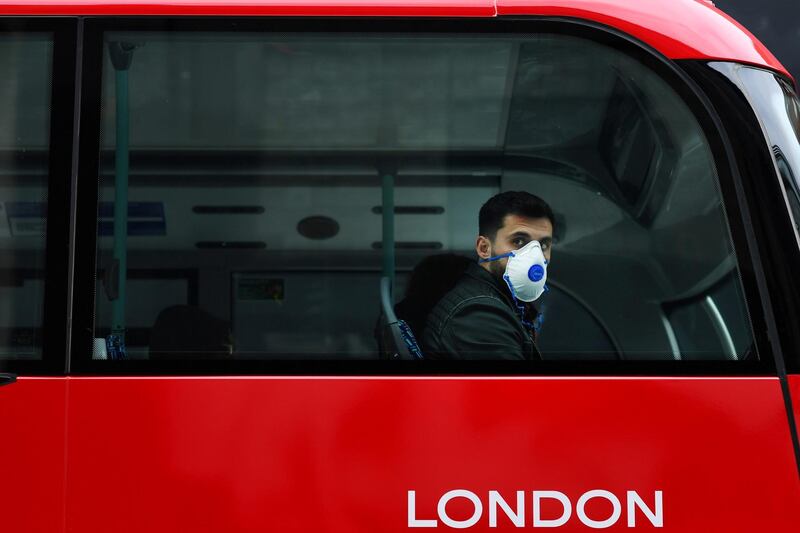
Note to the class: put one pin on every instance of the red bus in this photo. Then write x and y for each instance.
(212, 211)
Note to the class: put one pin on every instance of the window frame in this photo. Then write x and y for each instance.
(773, 219)
(61, 150)
(687, 90)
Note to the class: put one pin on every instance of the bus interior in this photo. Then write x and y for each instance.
(260, 167)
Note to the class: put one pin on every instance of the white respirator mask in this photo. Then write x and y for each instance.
(526, 271)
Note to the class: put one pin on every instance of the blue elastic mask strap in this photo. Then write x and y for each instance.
(495, 258)
(539, 320)
(520, 307)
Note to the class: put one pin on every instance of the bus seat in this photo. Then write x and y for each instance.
(431, 279)
(397, 341)
(185, 331)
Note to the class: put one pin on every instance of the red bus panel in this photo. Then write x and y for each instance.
(372, 8)
(32, 447)
(342, 454)
(794, 390)
(679, 29)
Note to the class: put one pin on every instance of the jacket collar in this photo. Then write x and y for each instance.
(479, 273)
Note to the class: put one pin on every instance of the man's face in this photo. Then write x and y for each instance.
(517, 231)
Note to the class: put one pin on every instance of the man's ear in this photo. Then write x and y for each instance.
(483, 247)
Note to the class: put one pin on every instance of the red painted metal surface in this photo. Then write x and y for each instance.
(32, 455)
(679, 29)
(372, 8)
(794, 390)
(340, 454)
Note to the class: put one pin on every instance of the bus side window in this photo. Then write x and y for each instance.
(25, 105)
(286, 174)
(716, 310)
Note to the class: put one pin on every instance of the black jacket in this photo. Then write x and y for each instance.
(477, 320)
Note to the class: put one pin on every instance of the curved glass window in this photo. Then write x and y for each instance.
(256, 187)
(776, 102)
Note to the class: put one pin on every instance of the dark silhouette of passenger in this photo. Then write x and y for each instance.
(431, 279)
(187, 332)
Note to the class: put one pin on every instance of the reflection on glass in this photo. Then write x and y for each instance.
(287, 173)
(25, 85)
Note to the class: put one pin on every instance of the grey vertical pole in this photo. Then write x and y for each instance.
(387, 206)
(121, 56)
(121, 205)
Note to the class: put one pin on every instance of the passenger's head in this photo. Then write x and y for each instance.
(510, 220)
(187, 332)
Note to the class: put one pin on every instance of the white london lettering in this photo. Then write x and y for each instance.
(538, 496)
(460, 524)
(559, 509)
(412, 513)
(517, 517)
(599, 524)
(655, 517)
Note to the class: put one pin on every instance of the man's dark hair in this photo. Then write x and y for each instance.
(518, 203)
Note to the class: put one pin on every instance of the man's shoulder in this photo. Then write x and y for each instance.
(471, 290)
(474, 320)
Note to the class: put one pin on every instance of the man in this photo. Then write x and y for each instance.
(480, 318)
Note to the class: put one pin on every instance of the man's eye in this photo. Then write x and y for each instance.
(519, 242)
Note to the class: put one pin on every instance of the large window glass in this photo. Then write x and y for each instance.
(25, 104)
(256, 187)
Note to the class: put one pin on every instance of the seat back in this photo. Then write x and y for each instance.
(397, 339)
